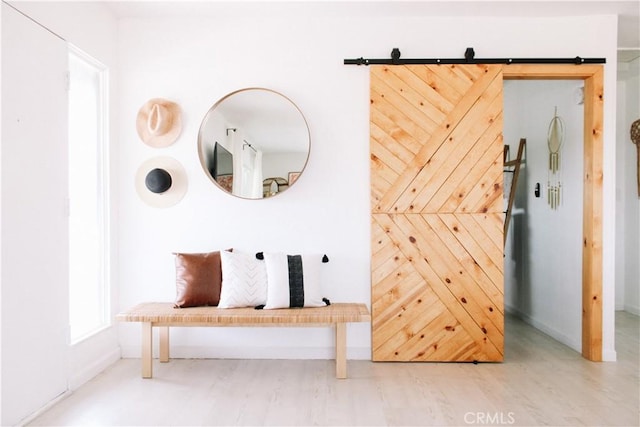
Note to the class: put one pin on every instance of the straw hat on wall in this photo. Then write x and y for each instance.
(159, 123)
(161, 182)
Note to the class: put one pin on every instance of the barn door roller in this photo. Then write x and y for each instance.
(469, 58)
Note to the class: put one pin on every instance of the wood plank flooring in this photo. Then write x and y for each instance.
(541, 382)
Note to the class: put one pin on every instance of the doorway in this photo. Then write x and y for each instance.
(592, 75)
(543, 245)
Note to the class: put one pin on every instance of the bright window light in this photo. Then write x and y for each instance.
(88, 201)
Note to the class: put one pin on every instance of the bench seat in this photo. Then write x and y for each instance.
(163, 315)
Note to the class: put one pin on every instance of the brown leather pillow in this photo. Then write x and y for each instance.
(198, 279)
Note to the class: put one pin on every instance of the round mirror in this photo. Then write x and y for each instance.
(254, 143)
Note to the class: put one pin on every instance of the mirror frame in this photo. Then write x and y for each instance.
(202, 154)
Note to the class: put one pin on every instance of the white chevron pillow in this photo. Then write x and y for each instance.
(244, 280)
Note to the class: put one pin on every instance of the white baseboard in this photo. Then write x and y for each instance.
(206, 352)
(75, 381)
(546, 329)
(609, 355)
(631, 309)
(99, 365)
(27, 420)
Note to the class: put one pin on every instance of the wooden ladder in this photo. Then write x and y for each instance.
(516, 171)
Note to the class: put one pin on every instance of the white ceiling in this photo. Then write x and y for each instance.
(627, 11)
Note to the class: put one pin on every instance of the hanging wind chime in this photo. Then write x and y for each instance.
(555, 137)
(635, 138)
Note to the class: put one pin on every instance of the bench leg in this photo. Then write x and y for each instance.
(164, 344)
(341, 350)
(147, 347)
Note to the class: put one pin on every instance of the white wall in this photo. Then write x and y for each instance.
(543, 256)
(627, 200)
(34, 224)
(197, 61)
(92, 28)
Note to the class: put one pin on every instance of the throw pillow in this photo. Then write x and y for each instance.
(198, 279)
(294, 280)
(244, 280)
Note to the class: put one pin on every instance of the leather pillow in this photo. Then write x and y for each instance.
(198, 279)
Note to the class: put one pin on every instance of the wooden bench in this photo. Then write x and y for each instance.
(163, 316)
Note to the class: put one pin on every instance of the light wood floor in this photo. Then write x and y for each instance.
(542, 382)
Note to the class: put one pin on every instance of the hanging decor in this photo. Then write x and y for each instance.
(555, 138)
(635, 138)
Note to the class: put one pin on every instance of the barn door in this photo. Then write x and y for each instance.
(437, 213)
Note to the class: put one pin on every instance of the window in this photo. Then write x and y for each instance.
(88, 197)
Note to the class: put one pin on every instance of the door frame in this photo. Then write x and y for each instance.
(592, 267)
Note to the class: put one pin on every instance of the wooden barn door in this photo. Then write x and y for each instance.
(437, 213)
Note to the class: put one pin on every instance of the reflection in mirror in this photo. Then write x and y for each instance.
(253, 143)
(221, 166)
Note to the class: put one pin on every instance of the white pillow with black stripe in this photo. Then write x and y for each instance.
(294, 280)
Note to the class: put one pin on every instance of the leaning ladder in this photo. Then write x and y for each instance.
(515, 164)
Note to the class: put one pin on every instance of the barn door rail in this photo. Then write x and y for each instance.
(469, 58)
